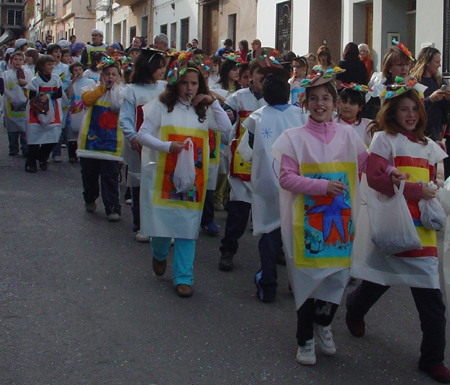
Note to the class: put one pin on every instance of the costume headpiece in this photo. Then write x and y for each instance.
(109, 61)
(357, 87)
(20, 43)
(400, 86)
(179, 66)
(319, 76)
(203, 62)
(268, 60)
(405, 50)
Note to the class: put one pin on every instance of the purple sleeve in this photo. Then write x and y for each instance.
(291, 180)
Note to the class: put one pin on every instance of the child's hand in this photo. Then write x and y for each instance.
(176, 147)
(22, 82)
(335, 187)
(202, 97)
(397, 176)
(135, 145)
(427, 193)
(43, 98)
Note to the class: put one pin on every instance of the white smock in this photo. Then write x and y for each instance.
(15, 117)
(415, 268)
(164, 212)
(243, 102)
(267, 124)
(76, 109)
(318, 231)
(36, 133)
(137, 95)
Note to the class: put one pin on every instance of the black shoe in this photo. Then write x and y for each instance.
(13, 153)
(43, 166)
(226, 261)
(30, 166)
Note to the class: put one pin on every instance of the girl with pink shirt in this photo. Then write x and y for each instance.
(319, 202)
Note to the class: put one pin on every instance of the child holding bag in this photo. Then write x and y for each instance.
(400, 141)
(100, 141)
(145, 86)
(44, 114)
(319, 202)
(15, 102)
(185, 110)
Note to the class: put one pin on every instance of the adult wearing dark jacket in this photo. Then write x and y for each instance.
(356, 71)
(437, 100)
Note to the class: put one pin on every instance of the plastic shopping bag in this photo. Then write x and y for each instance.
(49, 116)
(17, 96)
(184, 173)
(432, 214)
(392, 227)
(443, 195)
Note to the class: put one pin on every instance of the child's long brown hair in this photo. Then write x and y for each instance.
(386, 118)
(170, 96)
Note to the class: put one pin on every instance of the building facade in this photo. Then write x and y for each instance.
(12, 16)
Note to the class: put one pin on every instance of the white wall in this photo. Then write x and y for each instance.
(266, 24)
(165, 14)
(429, 24)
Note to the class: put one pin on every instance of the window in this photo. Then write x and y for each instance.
(132, 33)
(184, 23)
(446, 45)
(14, 17)
(173, 35)
(163, 29)
(144, 26)
(232, 28)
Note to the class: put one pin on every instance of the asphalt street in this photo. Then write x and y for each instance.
(80, 304)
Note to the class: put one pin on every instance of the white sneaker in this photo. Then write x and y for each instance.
(325, 339)
(128, 202)
(113, 217)
(141, 238)
(306, 355)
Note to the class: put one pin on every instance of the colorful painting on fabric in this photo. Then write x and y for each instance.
(101, 130)
(323, 225)
(419, 170)
(164, 192)
(49, 91)
(214, 146)
(296, 96)
(238, 166)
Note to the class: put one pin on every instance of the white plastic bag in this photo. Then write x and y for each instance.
(443, 195)
(392, 227)
(184, 173)
(432, 214)
(49, 116)
(17, 96)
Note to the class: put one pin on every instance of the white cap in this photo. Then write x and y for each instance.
(64, 43)
(99, 31)
(20, 43)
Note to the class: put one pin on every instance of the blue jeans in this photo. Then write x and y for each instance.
(13, 138)
(183, 257)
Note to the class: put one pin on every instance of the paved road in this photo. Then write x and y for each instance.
(80, 304)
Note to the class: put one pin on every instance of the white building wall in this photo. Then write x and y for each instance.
(266, 24)
(165, 14)
(429, 24)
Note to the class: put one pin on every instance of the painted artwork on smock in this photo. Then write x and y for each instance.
(324, 229)
(214, 146)
(102, 132)
(165, 193)
(238, 166)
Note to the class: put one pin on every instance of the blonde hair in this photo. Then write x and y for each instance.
(426, 55)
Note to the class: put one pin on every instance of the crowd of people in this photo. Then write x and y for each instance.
(286, 144)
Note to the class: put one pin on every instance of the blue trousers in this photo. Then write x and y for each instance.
(183, 257)
(14, 138)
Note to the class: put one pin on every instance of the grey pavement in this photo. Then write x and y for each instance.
(80, 304)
